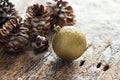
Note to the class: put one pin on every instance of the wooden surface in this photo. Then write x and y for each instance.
(47, 66)
(99, 20)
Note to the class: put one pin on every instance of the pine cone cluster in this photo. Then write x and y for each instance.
(41, 20)
(33, 32)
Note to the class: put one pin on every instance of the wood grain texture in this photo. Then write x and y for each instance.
(49, 67)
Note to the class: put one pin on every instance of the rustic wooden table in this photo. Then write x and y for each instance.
(93, 65)
(99, 20)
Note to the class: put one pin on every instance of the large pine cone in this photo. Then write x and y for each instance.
(61, 13)
(38, 22)
(13, 36)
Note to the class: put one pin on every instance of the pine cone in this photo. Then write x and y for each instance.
(6, 11)
(61, 13)
(13, 36)
(38, 20)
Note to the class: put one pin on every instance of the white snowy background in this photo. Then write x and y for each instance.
(99, 20)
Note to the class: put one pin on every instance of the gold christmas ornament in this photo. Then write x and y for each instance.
(69, 43)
